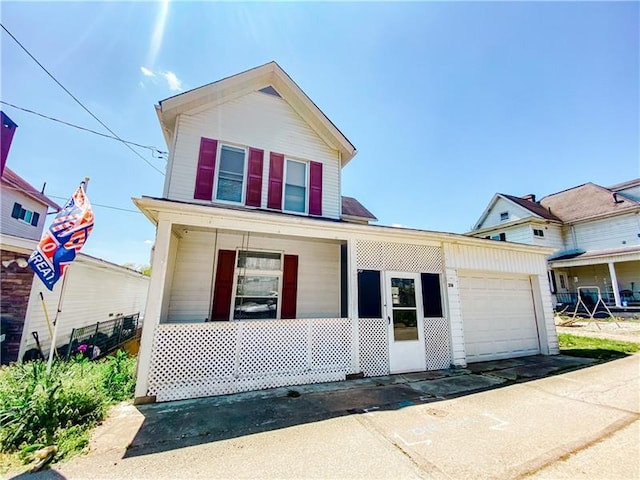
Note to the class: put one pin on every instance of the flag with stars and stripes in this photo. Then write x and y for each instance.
(63, 239)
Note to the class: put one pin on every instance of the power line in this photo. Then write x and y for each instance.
(153, 149)
(79, 102)
(67, 198)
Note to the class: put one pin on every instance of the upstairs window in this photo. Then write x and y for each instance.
(230, 186)
(504, 216)
(502, 237)
(24, 215)
(538, 232)
(295, 188)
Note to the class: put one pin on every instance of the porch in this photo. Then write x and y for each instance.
(616, 273)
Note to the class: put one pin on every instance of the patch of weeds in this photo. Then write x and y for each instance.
(599, 348)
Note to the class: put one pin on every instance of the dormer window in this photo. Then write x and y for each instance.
(231, 174)
(504, 216)
(537, 232)
(24, 215)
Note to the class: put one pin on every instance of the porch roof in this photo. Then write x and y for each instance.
(595, 257)
(270, 222)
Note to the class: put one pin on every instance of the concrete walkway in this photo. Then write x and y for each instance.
(493, 420)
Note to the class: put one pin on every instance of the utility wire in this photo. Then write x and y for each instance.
(79, 102)
(153, 149)
(28, 192)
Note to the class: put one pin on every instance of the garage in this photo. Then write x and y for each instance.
(498, 316)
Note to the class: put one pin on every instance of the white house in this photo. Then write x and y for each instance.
(593, 230)
(264, 275)
(96, 290)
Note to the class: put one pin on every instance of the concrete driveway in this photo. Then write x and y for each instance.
(493, 420)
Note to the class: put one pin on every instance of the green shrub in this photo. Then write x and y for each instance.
(59, 408)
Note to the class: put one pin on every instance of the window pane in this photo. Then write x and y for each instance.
(257, 286)
(296, 173)
(259, 260)
(249, 308)
(27, 216)
(403, 292)
(294, 198)
(405, 325)
(231, 175)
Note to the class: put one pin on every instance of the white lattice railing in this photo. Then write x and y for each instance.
(206, 359)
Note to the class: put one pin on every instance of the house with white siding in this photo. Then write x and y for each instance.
(265, 275)
(593, 230)
(96, 290)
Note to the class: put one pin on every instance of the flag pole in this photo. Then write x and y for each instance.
(53, 348)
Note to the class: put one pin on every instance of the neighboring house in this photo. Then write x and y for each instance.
(264, 275)
(594, 231)
(96, 290)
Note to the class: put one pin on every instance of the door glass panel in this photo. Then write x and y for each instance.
(405, 325)
(403, 292)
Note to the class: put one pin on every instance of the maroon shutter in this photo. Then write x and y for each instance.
(206, 169)
(254, 178)
(276, 173)
(289, 287)
(315, 189)
(223, 287)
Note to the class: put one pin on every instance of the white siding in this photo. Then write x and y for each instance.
(94, 293)
(255, 120)
(318, 273)
(12, 226)
(613, 232)
(454, 312)
(515, 213)
(552, 236)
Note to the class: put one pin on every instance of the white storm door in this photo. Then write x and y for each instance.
(404, 319)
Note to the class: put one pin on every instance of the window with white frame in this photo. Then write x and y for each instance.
(504, 216)
(27, 216)
(537, 232)
(230, 186)
(295, 187)
(257, 285)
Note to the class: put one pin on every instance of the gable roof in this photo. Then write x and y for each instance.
(267, 75)
(586, 201)
(624, 185)
(353, 208)
(16, 181)
(534, 207)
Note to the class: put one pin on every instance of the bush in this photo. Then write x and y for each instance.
(61, 407)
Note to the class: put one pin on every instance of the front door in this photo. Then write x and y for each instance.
(406, 331)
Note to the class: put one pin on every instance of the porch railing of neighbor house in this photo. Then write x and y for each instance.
(99, 339)
(205, 359)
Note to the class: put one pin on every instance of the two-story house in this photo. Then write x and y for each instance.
(594, 231)
(264, 275)
(96, 290)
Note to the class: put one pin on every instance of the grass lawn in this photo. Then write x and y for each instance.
(599, 348)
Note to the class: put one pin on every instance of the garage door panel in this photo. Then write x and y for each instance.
(499, 317)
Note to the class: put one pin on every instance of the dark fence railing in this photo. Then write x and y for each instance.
(94, 341)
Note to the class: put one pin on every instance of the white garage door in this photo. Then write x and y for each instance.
(498, 316)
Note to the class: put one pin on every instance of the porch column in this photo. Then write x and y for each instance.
(153, 309)
(352, 307)
(614, 284)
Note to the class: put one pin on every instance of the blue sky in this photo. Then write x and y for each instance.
(447, 103)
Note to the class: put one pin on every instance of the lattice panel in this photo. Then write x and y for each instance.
(198, 360)
(331, 345)
(187, 356)
(398, 257)
(374, 346)
(436, 339)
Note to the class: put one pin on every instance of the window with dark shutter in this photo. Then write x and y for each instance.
(35, 218)
(431, 295)
(315, 188)
(206, 169)
(369, 294)
(223, 287)
(289, 287)
(276, 173)
(15, 213)
(254, 178)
